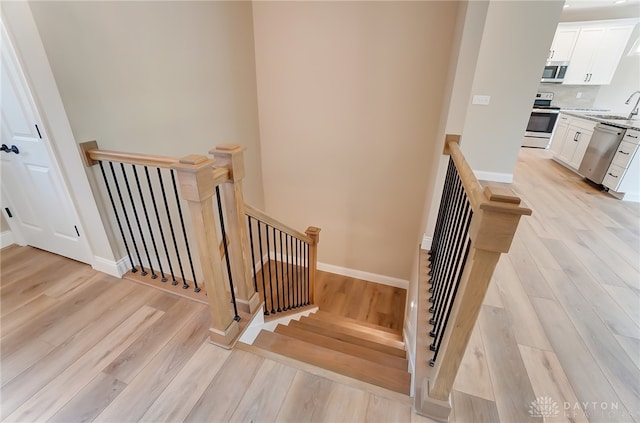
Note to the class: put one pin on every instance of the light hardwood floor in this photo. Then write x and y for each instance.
(561, 320)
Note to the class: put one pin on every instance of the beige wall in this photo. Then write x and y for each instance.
(350, 96)
(170, 78)
(4, 226)
(509, 66)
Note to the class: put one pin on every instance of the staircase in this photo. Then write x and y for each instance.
(363, 351)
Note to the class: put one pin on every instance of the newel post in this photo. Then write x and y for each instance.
(197, 186)
(231, 156)
(313, 233)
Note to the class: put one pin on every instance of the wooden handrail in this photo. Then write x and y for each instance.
(490, 198)
(92, 154)
(263, 217)
(496, 214)
(471, 185)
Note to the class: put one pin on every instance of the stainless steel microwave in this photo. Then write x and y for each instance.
(554, 72)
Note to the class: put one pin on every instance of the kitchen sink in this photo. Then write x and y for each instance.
(611, 117)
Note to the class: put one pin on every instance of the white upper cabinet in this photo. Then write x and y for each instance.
(596, 54)
(611, 50)
(563, 43)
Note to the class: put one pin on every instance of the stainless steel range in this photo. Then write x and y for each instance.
(541, 122)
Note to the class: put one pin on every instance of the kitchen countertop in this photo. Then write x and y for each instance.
(588, 115)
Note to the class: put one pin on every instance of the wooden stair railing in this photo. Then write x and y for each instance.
(145, 193)
(284, 262)
(474, 227)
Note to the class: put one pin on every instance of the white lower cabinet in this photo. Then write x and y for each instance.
(571, 139)
(623, 175)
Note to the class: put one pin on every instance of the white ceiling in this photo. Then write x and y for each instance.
(599, 4)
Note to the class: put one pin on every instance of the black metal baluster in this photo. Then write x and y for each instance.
(253, 257)
(226, 254)
(285, 303)
(275, 255)
(446, 245)
(164, 243)
(432, 362)
(446, 188)
(298, 284)
(436, 250)
(146, 216)
(450, 238)
(135, 215)
(435, 255)
(289, 275)
(306, 254)
(115, 212)
(442, 257)
(456, 252)
(303, 274)
(173, 232)
(289, 240)
(448, 301)
(126, 218)
(273, 310)
(264, 289)
(184, 234)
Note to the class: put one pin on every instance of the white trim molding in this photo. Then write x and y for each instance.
(494, 176)
(110, 267)
(359, 274)
(258, 324)
(6, 239)
(426, 242)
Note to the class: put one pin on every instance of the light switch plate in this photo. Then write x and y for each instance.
(481, 99)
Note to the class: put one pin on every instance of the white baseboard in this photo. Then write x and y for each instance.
(251, 333)
(6, 239)
(494, 176)
(426, 243)
(110, 267)
(409, 347)
(633, 197)
(359, 274)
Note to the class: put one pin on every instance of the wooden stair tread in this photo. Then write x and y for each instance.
(361, 332)
(312, 325)
(344, 347)
(387, 377)
(358, 325)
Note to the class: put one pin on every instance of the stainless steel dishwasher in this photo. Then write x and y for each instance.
(602, 147)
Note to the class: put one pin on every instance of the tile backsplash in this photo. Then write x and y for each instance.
(565, 95)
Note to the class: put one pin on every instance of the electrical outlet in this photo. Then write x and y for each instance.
(481, 99)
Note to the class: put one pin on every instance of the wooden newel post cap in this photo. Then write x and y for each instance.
(313, 233)
(195, 176)
(230, 156)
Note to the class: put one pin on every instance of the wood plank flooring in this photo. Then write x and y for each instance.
(561, 320)
(79, 346)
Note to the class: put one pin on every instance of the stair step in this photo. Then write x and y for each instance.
(357, 338)
(387, 377)
(361, 332)
(358, 325)
(344, 347)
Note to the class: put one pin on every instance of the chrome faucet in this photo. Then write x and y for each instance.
(634, 111)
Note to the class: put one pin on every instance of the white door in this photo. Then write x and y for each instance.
(35, 200)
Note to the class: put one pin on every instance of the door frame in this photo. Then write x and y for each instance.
(25, 38)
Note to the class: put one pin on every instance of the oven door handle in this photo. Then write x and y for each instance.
(551, 111)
